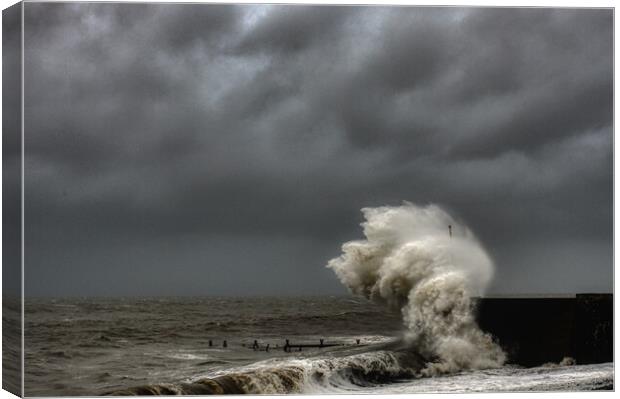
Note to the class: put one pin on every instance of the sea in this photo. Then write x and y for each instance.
(212, 345)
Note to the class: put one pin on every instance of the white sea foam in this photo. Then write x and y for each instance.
(507, 379)
(409, 260)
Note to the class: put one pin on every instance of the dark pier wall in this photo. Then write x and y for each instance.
(534, 331)
(594, 329)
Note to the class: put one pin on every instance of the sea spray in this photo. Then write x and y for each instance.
(412, 260)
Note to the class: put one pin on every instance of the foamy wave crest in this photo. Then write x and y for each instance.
(411, 261)
(277, 376)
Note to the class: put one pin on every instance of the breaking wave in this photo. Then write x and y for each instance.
(425, 263)
(278, 376)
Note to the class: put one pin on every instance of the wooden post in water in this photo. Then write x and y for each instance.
(225, 345)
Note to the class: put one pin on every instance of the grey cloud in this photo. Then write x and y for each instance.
(288, 30)
(269, 125)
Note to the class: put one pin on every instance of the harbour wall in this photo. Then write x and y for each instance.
(536, 330)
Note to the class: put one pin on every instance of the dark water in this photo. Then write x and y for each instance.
(92, 346)
(138, 346)
(11, 344)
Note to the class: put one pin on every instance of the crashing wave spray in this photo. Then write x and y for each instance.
(412, 262)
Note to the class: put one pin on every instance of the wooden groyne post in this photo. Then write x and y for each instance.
(321, 344)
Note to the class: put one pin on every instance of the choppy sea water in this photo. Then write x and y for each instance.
(153, 345)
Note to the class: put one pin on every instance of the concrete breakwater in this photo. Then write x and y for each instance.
(539, 329)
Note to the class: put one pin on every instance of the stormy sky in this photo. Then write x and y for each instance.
(227, 150)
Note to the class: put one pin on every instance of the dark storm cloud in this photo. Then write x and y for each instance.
(289, 30)
(270, 126)
(11, 151)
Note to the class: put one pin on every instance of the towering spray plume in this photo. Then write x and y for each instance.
(411, 261)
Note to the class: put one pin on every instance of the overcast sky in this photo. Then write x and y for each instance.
(227, 150)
